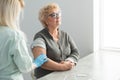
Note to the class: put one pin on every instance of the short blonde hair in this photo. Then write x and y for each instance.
(10, 12)
(45, 11)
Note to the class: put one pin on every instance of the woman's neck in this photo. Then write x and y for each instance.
(54, 33)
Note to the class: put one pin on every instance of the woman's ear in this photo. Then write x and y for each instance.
(22, 3)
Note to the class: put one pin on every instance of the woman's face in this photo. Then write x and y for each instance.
(54, 18)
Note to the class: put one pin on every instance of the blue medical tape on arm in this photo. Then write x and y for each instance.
(41, 59)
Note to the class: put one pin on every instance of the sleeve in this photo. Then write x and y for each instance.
(20, 54)
(39, 42)
(75, 55)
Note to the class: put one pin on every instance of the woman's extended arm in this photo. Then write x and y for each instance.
(50, 64)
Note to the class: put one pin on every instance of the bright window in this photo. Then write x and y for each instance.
(110, 24)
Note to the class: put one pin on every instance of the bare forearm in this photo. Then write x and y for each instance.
(52, 65)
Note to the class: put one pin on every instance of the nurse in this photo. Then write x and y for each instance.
(14, 55)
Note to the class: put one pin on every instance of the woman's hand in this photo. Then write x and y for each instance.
(66, 65)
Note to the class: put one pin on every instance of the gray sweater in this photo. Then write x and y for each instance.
(64, 49)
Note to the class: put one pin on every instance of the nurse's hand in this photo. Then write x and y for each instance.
(40, 60)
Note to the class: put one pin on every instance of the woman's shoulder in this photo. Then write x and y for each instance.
(62, 32)
(41, 33)
(16, 34)
(11, 34)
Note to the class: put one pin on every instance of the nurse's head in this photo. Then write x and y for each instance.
(10, 12)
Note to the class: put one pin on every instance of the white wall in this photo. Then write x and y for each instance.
(77, 20)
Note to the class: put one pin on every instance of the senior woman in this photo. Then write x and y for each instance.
(59, 47)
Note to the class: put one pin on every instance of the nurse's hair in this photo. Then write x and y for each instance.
(45, 11)
(10, 13)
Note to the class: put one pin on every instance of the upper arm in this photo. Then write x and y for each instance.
(38, 46)
(20, 54)
(37, 51)
(75, 55)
